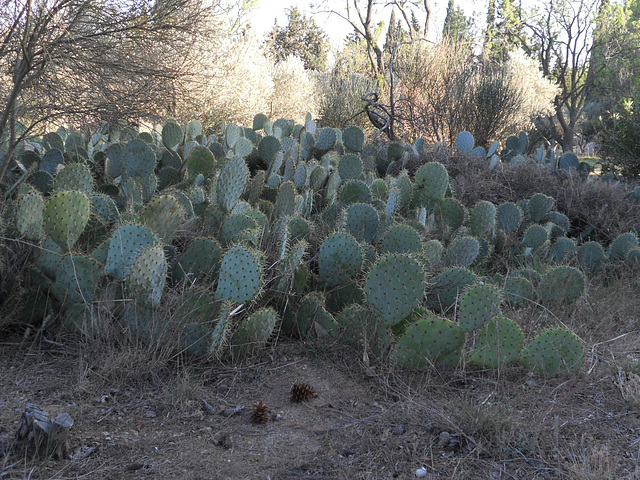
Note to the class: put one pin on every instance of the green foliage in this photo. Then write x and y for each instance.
(618, 132)
(301, 37)
(429, 340)
(394, 286)
(560, 285)
(240, 274)
(253, 333)
(553, 351)
(339, 258)
(65, 216)
(478, 305)
(497, 344)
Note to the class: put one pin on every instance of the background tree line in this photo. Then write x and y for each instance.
(561, 70)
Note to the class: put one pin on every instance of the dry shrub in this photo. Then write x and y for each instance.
(593, 203)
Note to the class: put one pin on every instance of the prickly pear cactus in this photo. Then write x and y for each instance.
(450, 212)
(478, 305)
(431, 182)
(354, 191)
(497, 344)
(28, 215)
(340, 258)
(447, 287)
(508, 217)
(553, 351)
(148, 274)
(483, 219)
(535, 237)
(350, 167)
(539, 205)
(462, 252)
(353, 138)
(562, 285)
(164, 215)
(361, 220)
(395, 286)
(77, 277)
(199, 162)
(430, 340)
(240, 274)
(591, 257)
(65, 216)
(199, 262)
(401, 239)
(563, 250)
(126, 242)
(172, 135)
(75, 176)
(518, 292)
(253, 333)
(621, 245)
(139, 160)
(232, 182)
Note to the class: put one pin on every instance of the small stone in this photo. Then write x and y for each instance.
(398, 430)
(421, 472)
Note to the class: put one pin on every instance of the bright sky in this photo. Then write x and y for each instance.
(268, 10)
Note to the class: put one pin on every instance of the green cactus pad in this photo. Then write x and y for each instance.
(560, 220)
(447, 287)
(429, 341)
(508, 217)
(65, 216)
(591, 257)
(139, 160)
(431, 183)
(126, 242)
(194, 339)
(563, 250)
(462, 252)
(401, 239)
(199, 162)
(199, 262)
(478, 305)
(28, 215)
(450, 212)
(147, 275)
(355, 191)
(239, 228)
(259, 120)
(313, 319)
(394, 286)
(621, 245)
(172, 135)
(563, 284)
(497, 344)
(75, 176)
(350, 167)
(164, 215)
(539, 205)
(535, 237)
(268, 149)
(353, 138)
(325, 141)
(240, 274)
(632, 260)
(361, 220)
(553, 351)
(285, 199)
(364, 329)
(340, 297)
(339, 258)
(232, 182)
(432, 252)
(76, 278)
(253, 333)
(518, 292)
(483, 219)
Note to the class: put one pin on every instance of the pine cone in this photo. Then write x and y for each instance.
(260, 413)
(301, 392)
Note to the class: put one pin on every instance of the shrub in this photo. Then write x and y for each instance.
(294, 91)
(619, 137)
(341, 99)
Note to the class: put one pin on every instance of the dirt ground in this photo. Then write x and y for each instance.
(366, 422)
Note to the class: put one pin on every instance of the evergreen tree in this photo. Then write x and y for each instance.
(457, 26)
(302, 38)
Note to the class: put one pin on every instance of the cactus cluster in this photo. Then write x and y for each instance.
(284, 227)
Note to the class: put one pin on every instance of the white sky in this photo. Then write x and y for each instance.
(268, 10)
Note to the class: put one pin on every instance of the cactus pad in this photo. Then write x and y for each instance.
(553, 351)
(497, 344)
(394, 286)
(65, 216)
(340, 258)
(240, 274)
(563, 284)
(478, 305)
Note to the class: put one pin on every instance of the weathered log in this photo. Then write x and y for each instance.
(39, 435)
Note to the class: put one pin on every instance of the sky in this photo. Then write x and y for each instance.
(268, 10)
